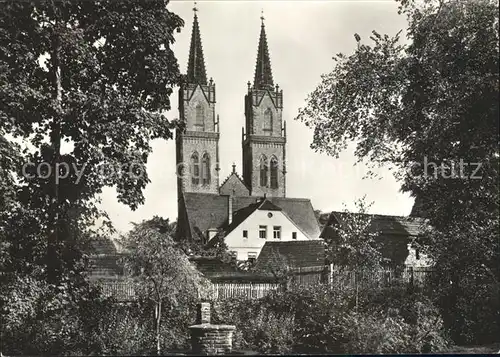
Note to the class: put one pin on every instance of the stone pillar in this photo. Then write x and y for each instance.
(212, 339)
(203, 313)
(208, 339)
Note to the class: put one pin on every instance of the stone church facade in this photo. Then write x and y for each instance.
(208, 209)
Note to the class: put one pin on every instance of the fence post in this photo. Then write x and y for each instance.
(411, 278)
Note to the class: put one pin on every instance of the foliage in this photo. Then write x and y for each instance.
(163, 273)
(466, 281)
(257, 327)
(217, 248)
(429, 109)
(355, 245)
(322, 320)
(84, 84)
(40, 318)
(128, 329)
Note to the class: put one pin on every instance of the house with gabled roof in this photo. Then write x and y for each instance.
(396, 234)
(249, 210)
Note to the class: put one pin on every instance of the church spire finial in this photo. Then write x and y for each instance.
(263, 75)
(196, 72)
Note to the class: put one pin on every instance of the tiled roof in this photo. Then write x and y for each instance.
(269, 206)
(106, 265)
(209, 266)
(386, 225)
(102, 245)
(206, 211)
(298, 254)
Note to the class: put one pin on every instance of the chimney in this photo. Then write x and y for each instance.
(229, 209)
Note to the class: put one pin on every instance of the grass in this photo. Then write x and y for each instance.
(483, 349)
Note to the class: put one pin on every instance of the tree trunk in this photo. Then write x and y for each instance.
(158, 321)
(53, 260)
(356, 283)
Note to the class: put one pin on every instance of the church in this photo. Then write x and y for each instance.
(247, 210)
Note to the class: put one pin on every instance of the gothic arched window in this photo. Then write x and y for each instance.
(263, 171)
(274, 172)
(199, 123)
(268, 121)
(195, 169)
(205, 169)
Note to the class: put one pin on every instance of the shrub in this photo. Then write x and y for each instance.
(323, 320)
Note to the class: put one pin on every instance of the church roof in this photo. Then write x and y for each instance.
(234, 185)
(196, 72)
(263, 78)
(206, 211)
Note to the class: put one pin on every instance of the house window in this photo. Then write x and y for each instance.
(417, 254)
(277, 232)
(245, 234)
(252, 256)
(205, 169)
(263, 171)
(274, 173)
(263, 232)
(195, 169)
(294, 235)
(199, 124)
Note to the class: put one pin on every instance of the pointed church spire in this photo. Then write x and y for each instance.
(263, 75)
(196, 72)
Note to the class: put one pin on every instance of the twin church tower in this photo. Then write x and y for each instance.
(263, 136)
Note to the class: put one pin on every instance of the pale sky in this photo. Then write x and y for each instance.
(303, 36)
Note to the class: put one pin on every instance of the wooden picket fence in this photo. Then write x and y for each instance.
(124, 290)
(249, 290)
(348, 279)
(121, 289)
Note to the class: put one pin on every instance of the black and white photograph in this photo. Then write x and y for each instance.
(249, 177)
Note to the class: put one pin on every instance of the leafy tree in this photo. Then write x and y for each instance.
(98, 76)
(354, 245)
(163, 272)
(83, 86)
(218, 249)
(354, 249)
(429, 109)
